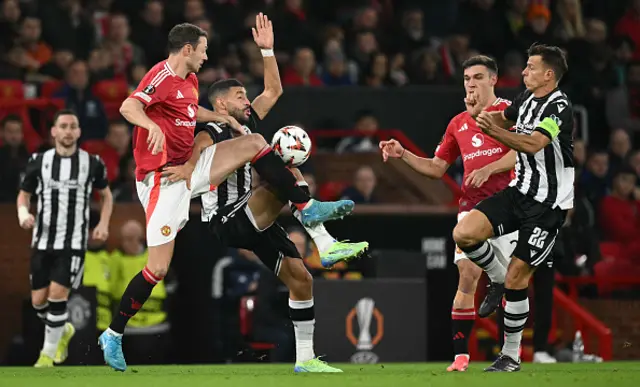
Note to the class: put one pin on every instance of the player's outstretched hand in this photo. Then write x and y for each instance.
(390, 148)
(477, 177)
(28, 222)
(155, 139)
(234, 124)
(263, 32)
(101, 232)
(179, 172)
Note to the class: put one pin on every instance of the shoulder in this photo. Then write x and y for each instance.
(160, 73)
(459, 119)
(500, 104)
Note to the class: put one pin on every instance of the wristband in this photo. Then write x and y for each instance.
(266, 52)
(23, 214)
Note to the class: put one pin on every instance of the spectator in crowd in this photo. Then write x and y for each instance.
(150, 32)
(579, 155)
(511, 71)
(623, 48)
(303, 71)
(64, 24)
(55, 69)
(412, 36)
(593, 181)
(623, 103)
(100, 66)
(30, 39)
(620, 213)
(366, 124)
(537, 28)
(124, 53)
(629, 25)
(427, 69)
(376, 73)
(335, 72)
(124, 188)
(78, 96)
(13, 157)
(364, 46)
(515, 18)
(570, 24)
(363, 189)
(193, 10)
(619, 149)
(119, 138)
(10, 14)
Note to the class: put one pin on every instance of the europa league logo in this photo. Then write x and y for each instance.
(365, 312)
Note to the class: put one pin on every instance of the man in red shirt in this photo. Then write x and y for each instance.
(164, 109)
(487, 170)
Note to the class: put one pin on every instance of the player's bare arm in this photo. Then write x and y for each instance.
(133, 111)
(527, 144)
(480, 176)
(25, 218)
(434, 168)
(183, 172)
(101, 232)
(498, 118)
(263, 36)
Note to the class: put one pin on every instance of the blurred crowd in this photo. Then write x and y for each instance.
(90, 53)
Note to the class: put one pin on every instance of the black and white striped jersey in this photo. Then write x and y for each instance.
(238, 184)
(63, 186)
(548, 175)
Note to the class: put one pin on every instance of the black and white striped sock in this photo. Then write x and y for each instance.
(482, 255)
(516, 312)
(56, 319)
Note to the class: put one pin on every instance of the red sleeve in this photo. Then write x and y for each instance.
(448, 149)
(616, 222)
(154, 87)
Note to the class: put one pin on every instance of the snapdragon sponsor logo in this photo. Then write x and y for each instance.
(188, 124)
(482, 153)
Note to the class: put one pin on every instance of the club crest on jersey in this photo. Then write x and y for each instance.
(165, 231)
(150, 89)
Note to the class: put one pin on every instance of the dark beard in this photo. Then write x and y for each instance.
(239, 116)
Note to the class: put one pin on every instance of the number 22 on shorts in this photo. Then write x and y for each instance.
(538, 237)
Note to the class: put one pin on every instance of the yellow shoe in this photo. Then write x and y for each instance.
(44, 361)
(63, 345)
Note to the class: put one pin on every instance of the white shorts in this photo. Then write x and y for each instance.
(503, 246)
(166, 204)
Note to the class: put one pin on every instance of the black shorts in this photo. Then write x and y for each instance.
(234, 229)
(537, 224)
(62, 266)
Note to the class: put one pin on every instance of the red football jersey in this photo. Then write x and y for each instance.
(464, 138)
(172, 103)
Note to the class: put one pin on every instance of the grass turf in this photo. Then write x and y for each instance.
(618, 374)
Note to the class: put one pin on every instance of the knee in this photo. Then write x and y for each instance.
(58, 292)
(256, 141)
(465, 235)
(302, 282)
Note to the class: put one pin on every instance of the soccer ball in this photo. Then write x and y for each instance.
(292, 144)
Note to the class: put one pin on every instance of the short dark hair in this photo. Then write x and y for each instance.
(481, 60)
(63, 112)
(183, 34)
(10, 118)
(552, 56)
(625, 169)
(222, 86)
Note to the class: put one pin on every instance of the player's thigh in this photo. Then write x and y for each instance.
(166, 206)
(66, 273)
(200, 178)
(274, 248)
(496, 213)
(40, 270)
(537, 235)
(264, 207)
(233, 154)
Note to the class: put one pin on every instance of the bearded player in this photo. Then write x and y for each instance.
(164, 109)
(244, 218)
(487, 170)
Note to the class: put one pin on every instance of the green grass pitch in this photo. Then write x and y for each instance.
(614, 374)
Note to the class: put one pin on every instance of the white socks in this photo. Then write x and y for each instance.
(303, 317)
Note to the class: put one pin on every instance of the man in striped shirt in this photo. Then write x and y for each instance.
(538, 199)
(62, 179)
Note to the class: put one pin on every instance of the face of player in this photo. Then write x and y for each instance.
(196, 55)
(536, 74)
(478, 80)
(66, 131)
(237, 104)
